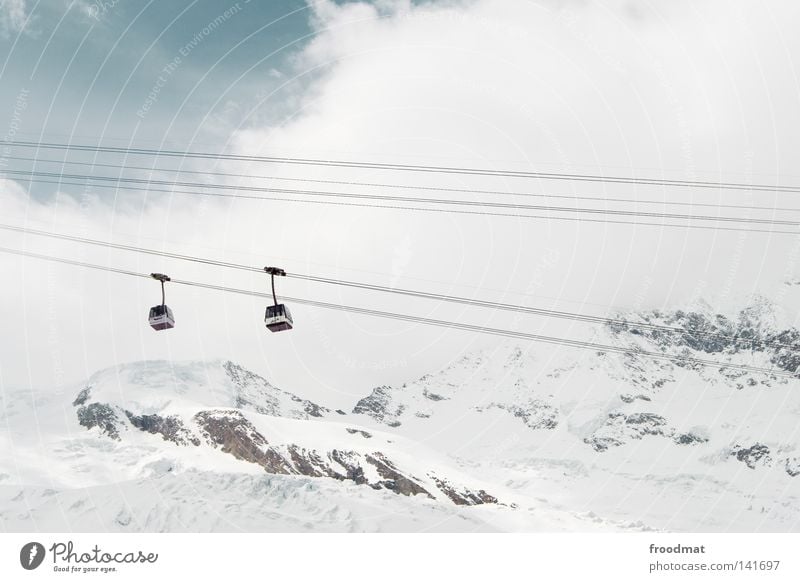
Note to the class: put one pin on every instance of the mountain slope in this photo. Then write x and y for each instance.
(209, 446)
(522, 437)
(626, 436)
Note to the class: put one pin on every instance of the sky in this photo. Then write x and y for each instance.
(691, 90)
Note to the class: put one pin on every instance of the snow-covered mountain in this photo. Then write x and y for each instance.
(520, 437)
(209, 446)
(675, 445)
(225, 407)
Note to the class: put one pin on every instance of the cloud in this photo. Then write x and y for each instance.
(13, 16)
(688, 91)
(684, 90)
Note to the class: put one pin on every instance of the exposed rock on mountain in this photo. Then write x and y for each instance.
(101, 416)
(379, 406)
(461, 496)
(607, 401)
(753, 329)
(621, 428)
(751, 456)
(184, 418)
(170, 428)
(254, 393)
(534, 413)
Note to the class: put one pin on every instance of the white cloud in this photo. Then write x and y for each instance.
(693, 90)
(13, 15)
(684, 89)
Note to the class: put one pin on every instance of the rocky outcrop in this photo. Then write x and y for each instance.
(536, 414)
(170, 428)
(101, 416)
(393, 479)
(461, 496)
(351, 462)
(255, 393)
(620, 428)
(689, 438)
(83, 396)
(630, 398)
(380, 406)
(363, 433)
(751, 330)
(761, 455)
(753, 455)
(787, 357)
(433, 396)
(110, 419)
(792, 466)
(235, 435)
(231, 432)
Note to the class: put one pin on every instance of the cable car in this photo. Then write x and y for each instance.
(160, 315)
(277, 317)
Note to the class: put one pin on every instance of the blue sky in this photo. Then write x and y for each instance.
(88, 67)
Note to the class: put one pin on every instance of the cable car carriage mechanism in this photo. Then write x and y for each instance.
(160, 315)
(277, 316)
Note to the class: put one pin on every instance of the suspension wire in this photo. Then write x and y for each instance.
(412, 199)
(401, 186)
(422, 209)
(433, 322)
(73, 262)
(613, 322)
(313, 264)
(405, 167)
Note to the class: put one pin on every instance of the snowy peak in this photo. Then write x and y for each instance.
(228, 410)
(160, 397)
(595, 403)
(504, 379)
(481, 380)
(161, 387)
(254, 393)
(754, 328)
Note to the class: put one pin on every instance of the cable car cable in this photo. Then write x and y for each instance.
(403, 186)
(614, 322)
(412, 199)
(406, 167)
(425, 209)
(433, 322)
